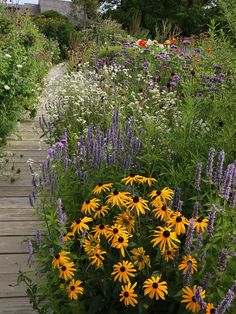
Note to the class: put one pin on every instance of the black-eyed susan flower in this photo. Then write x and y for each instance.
(100, 229)
(130, 180)
(91, 244)
(128, 296)
(74, 289)
(200, 224)
(68, 236)
(126, 220)
(178, 222)
(89, 206)
(140, 259)
(79, 225)
(60, 259)
(123, 270)
(154, 287)
(163, 195)
(117, 198)
(149, 181)
(101, 211)
(210, 309)
(184, 265)
(189, 297)
(115, 231)
(67, 271)
(165, 238)
(121, 243)
(137, 204)
(162, 211)
(102, 187)
(169, 254)
(97, 258)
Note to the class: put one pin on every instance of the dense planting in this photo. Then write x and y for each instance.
(25, 58)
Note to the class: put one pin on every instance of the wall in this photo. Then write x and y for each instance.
(62, 7)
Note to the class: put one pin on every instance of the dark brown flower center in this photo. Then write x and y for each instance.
(115, 230)
(168, 252)
(136, 199)
(194, 299)
(155, 285)
(101, 227)
(122, 269)
(200, 219)
(212, 311)
(164, 208)
(126, 294)
(78, 221)
(99, 208)
(87, 202)
(63, 268)
(178, 219)
(57, 256)
(100, 184)
(115, 192)
(158, 192)
(120, 239)
(132, 175)
(72, 288)
(97, 255)
(166, 233)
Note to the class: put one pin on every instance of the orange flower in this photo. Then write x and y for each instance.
(142, 43)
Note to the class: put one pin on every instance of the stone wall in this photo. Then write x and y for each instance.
(62, 7)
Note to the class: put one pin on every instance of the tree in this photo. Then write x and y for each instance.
(83, 10)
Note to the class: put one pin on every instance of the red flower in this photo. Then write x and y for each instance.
(142, 43)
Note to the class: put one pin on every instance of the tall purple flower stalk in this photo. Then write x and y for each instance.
(219, 169)
(61, 215)
(196, 208)
(30, 251)
(38, 238)
(206, 281)
(226, 302)
(223, 260)
(189, 237)
(198, 176)
(188, 275)
(228, 178)
(209, 168)
(200, 299)
(211, 220)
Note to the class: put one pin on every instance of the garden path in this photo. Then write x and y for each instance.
(18, 221)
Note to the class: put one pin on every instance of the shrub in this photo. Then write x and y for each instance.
(24, 62)
(55, 26)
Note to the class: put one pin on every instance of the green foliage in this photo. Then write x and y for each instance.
(57, 27)
(24, 60)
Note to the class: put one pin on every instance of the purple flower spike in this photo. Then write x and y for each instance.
(198, 176)
(196, 208)
(38, 238)
(226, 302)
(223, 260)
(62, 218)
(206, 281)
(200, 299)
(226, 188)
(211, 220)
(30, 251)
(209, 169)
(189, 237)
(188, 275)
(219, 169)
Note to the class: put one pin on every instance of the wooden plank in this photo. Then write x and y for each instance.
(22, 155)
(9, 291)
(18, 214)
(16, 306)
(12, 263)
(14, 202)
(23, 181)
(20, 165)
(15, 245)
(18, 228)
(13, 190)
(27, 144)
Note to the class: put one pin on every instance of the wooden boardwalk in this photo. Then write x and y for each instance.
(18, 221)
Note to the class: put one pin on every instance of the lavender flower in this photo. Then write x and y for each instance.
(61, 215)
(226, 188)
(188, 274)
(196, 208)
(189, 237)
(209, 168)
(198, 176)
(226, 302)
(199, 241)
(31, 202)
(177, 197)
(223, 260)
(211, 220)
(219, 169)
(30, 251)
(206, 281)
(180, 206)
(200, 299)
(38, 238)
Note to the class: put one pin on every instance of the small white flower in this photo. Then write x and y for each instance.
(19, 66)
(7, 55)
(6, 87)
